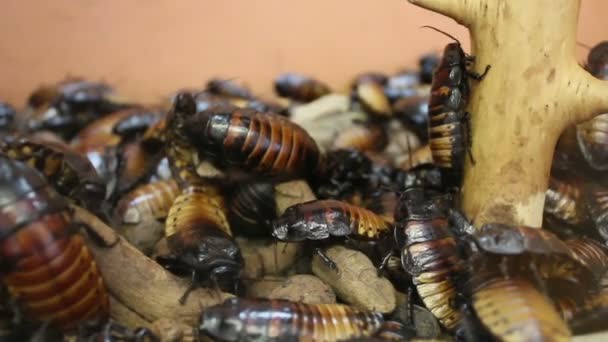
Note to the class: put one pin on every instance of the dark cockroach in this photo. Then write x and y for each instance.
(300, 88)
(229, 89)
(320, 219)
(592, 137)
(368, 92)
(449, 133)
(512, 309)
(427, 65)
(383, 203)
(402, 85)
(134, 164)
(563, 200)
(263, 143)
(7, 116)
(200, 239)
(252, 207)
(597, 61)
(152, 200)
(346, 172)
(70, 173)
(596, 200)
(429, 252)
(591, 316)
(137, 123)
(413, 113)
(69, 105)
(591, 255)
(115, 332)
(370, 137)
(45, 264)
(239, 319)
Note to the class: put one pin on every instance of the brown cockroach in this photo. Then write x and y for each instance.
(239, 319)
(45, 263)
(300, 88)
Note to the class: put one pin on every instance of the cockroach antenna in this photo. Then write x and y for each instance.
(440, 31)
(584, 45)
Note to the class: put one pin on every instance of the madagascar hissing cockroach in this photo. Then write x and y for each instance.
(449, 132)
(368, 92)
(263, 143)
(402, 85)
(596, 201)
(591, 255)
(383, 203)
(69, 105)
(429, 252)
(597, 61)
(229, 89)
(69, 172)
(152, 200)
(239, 319)
(592, 138)
(563, 200)
(413, 113)
(320, 219)
(426, 67)
(513, 310)
(369, 137)
(345, 172)
(252, 207)
(200, 240)
(115, 332)
(44, 262)
(7, 116)
(299, 88)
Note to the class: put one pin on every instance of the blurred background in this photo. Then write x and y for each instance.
(149, 48)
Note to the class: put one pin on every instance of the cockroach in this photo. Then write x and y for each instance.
(402, 85)
(346, 171)
(152, 200)
(70, 173)
(449, 133)
(563, 200)
(370, 137)
(592, 137)
(429, 252)
(263, 143)
(596, 200)
(591, 316)
(369, 93)
(320, 219)
(426, 67)
(229, 89)
(137, 123)
(239, 319)
(45, 263)
(597, 61)
(7, 116)
(134, 164)
(200, 239)
(383, 203)
(300, 88)
(421, 156)
(591, 255)
(69, 105)
(413, 113)
(115, 332)
(512, 309)
(252, 207)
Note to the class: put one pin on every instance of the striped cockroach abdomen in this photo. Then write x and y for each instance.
(146, 201)
(239, 319)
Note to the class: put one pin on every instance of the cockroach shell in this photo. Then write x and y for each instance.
(136, 164)
(361, 138)
(563, 200)
(513, 310)
(597, 61)
(596, 198)
(592, 137)
(372, 98)
(504, 239)
(100, 132)
(228, 88)
(590, 254)
(299, 87)
(240, 319)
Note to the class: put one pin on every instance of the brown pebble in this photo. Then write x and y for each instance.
(304, 288)
(356, 281)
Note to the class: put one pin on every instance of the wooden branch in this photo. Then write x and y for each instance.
(141, 285)
(534, 90)
(458, 10)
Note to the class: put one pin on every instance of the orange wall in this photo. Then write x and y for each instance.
(147, 48)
